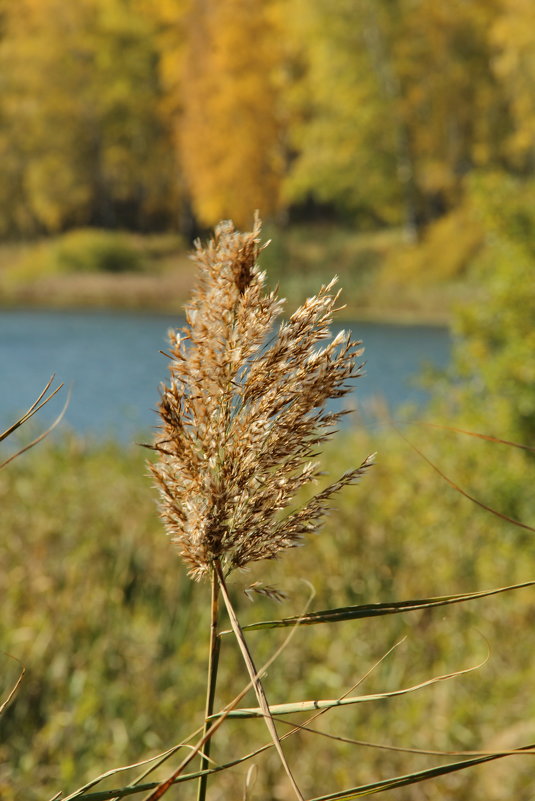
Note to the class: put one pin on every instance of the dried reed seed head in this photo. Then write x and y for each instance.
(243, 413)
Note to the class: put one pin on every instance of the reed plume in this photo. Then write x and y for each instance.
(244, 411)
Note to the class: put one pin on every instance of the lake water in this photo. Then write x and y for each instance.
(111, 360)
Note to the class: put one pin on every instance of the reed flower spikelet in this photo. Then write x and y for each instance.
(244, 411)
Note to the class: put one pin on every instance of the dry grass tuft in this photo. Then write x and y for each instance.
(243, 414)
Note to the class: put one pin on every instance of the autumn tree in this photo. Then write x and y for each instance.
(398, 102)
(452, 104)
(513, 34)
(231, 131)
(131, 112)
(82, 138)
(347, 134)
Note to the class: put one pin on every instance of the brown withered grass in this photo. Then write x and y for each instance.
(242, 417)
(243, 414)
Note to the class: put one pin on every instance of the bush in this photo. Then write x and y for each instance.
(84, 250)
(495, 333)
(447, 249)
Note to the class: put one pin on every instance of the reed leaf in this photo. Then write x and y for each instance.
(312, 706)
(339, 614)
(413, 778)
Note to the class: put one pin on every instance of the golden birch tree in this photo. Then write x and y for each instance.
(231, 128)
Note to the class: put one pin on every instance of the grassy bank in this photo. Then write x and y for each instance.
(93, 269)
(101, 614)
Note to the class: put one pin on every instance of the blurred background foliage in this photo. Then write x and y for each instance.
(392, 142)
(347, 116)
(176, 113)
(125, 112)
(114, 637)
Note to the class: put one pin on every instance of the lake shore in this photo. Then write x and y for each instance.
(169, 292)
(36, 275)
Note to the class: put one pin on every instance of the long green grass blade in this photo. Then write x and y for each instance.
(312, 706)
(354, 792)
(377, 610)
(411, 778)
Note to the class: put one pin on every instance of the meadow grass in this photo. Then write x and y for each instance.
(114, 636)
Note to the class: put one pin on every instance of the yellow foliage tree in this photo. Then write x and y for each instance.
(398, 102)
(451, 101)
(82, 139)
(350, 149)
(513, 33)
(231, 126)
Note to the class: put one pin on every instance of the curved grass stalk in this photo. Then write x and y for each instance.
(15, 687)
(38, 404)
(526, 750)
(476, 434)
(463, 492)
(255, 679)
(40, 401)
(310, 706)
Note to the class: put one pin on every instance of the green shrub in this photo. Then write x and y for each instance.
(84, 250)
(494, 366)
(444, 254)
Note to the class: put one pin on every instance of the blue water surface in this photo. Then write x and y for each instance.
(112, 362)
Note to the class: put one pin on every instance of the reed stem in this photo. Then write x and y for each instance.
(255, 679)
(213, 663)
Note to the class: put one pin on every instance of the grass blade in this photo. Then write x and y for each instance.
(311, 706)
(486, 437)
(33, 409)
(41, 401)
(376, 610)
(411, 778)
(463, 492)
(15, 687)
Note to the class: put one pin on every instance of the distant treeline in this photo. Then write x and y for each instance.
(157, 114)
